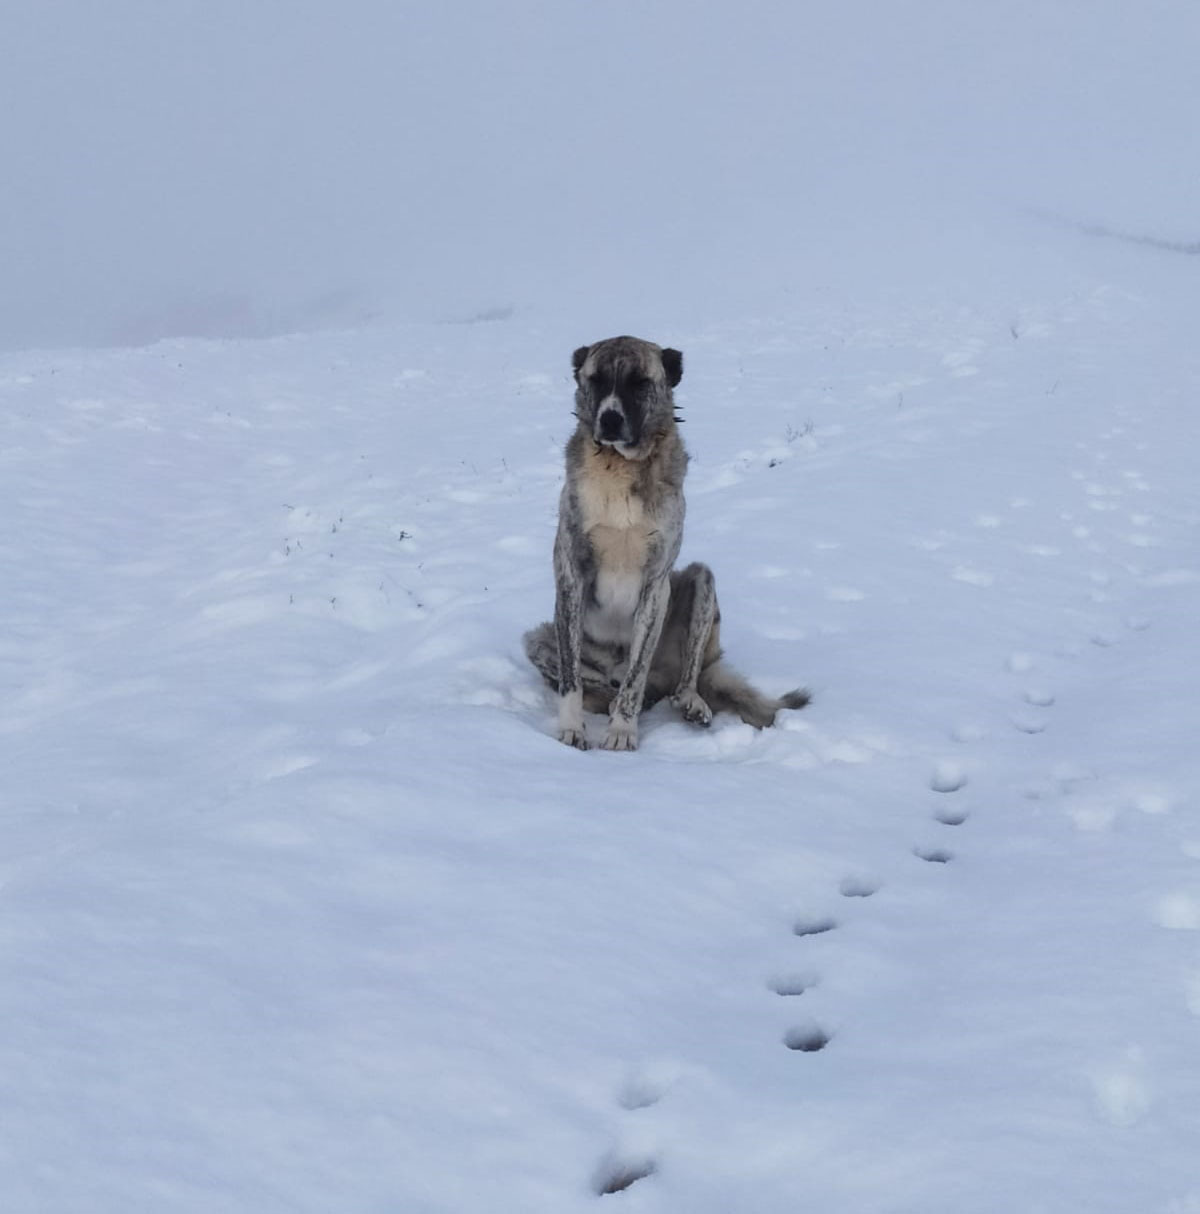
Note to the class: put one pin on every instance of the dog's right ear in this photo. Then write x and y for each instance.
(579, 358)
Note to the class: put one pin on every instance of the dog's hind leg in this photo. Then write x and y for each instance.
(696, 616)
(541, 648)
(706, 684)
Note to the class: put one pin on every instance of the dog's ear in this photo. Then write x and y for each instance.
(579, 358)
(672, 362)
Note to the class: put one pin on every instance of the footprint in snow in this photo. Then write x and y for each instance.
(616, 1173)
(934, 855)
(644, 1089)
(791, 985)
(1029, 724)
(807, 1038)
(947, 776)
(859, 887)
(950, 817)
(623, 1166)
(1039, 697)
(814, 926)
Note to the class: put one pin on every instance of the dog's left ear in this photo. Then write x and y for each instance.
(672, 362)
(579, 358)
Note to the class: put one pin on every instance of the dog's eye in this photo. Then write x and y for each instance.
(638, 383)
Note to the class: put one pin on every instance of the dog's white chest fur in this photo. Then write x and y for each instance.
(616, 597)
(614, 520)
(606, 497)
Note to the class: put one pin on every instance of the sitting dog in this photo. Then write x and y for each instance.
(629, 628)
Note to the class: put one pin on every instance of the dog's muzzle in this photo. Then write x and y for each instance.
(610, 426)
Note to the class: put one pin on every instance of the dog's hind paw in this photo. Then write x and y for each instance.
(691, 704)
(620, 737)
(573, 737)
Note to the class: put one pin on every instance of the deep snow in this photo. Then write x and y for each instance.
(304, 908)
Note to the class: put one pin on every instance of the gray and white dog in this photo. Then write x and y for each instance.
(628, 627)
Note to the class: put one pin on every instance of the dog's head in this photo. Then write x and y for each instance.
(623, 394)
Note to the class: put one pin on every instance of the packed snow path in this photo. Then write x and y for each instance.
(304, 908)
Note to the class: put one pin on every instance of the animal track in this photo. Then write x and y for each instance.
(639, 1093)
(947, 776)
(1028, 723)
(806, 1038)
(616, 1174)
(791, 984)
(1039, 697)
(623, 1167)
(814, 927)
(935, 855)
(951, 817)
(858, 887)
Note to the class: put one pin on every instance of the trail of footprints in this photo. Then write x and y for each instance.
(947, 778)
(621, 1168)
(618, 1171)
(808, 1036)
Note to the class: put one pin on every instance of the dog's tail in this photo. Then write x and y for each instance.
(725, 690)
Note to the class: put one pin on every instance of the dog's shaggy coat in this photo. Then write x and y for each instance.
(628, 628)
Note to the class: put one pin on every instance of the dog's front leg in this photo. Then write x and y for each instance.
(648, 619)
(568, 628)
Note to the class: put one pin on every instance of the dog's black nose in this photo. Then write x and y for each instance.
(611, 423)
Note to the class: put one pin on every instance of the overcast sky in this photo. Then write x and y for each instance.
(233, 167)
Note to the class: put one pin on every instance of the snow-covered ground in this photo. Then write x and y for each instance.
(303, 908)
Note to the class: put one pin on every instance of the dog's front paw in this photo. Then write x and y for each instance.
(691, 704)
(573, 737)
(622, 735)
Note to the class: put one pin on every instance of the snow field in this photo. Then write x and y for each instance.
(306, 909)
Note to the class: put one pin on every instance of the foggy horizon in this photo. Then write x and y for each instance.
(213, 169)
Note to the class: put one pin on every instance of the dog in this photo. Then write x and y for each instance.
(628, 627)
